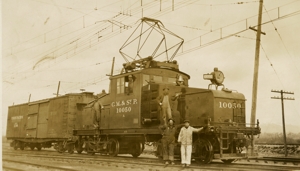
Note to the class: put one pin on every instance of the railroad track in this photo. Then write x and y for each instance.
(126, 162)
(18, 165)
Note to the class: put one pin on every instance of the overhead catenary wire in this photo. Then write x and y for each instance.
(281, 40)
(138, 12)
(25, 64)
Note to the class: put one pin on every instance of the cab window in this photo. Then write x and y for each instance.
(125, 84)
(146, 79)
(120, 85)
(172, 80)
(157, 78)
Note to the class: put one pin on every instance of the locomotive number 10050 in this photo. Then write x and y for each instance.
(229, 105)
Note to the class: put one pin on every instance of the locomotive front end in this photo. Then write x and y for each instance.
(226, 136)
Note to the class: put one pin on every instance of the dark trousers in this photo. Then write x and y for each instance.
(168, 149)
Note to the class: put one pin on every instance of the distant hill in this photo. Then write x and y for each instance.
(274, 128)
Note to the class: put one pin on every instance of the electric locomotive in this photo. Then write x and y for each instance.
(131, 112)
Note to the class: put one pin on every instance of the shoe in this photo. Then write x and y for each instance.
(166, 163)
(172, 163)
(183, 165)
(187, 165)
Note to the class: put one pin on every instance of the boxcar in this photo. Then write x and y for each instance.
(44, 123)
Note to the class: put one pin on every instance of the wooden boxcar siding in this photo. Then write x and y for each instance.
(65, 113)
(57, 111)
(16, 121)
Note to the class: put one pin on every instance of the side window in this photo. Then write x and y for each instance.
(129, 84)
(125, 84)
(171, 80)
(157, 79)
(146, 79)
(120, 85)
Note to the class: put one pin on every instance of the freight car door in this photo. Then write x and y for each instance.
(32, 120)
(42, 120)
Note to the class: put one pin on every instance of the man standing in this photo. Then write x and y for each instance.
(186, 139)
(168, 141)
(181, 104)
(164, 102)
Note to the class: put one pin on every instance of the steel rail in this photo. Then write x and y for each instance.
(39, 165)
(215, 165)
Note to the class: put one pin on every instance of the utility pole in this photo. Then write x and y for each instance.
(160, 6)
(112, 67)
(282, 107)
(58, 88)
(256, 66)
(29, 98)
(172, 5)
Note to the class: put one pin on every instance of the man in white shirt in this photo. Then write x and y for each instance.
(186, 139)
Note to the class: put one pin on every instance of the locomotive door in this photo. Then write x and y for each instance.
(32, 120)
(42, 120)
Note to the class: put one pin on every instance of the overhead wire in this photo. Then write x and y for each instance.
(281, 40)
(79, 18)
(160, 14)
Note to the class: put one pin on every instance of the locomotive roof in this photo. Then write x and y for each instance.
(146, 64)
(228, 95)
(147, 69)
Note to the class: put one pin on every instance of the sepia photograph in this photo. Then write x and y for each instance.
(150, 85)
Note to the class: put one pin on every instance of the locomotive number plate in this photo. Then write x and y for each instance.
(229, 105)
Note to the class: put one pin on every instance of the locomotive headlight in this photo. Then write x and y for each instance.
(212, 129)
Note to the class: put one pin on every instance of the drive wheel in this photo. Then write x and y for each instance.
(22, 146)
(61, 148)
(137, 149)
(15, 147)
(228, 161)
(113, 147)
(204, 151)
(39, 147)
(71, 148)
(31, 147)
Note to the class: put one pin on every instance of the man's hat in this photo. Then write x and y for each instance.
(171, 119)
(186, 121)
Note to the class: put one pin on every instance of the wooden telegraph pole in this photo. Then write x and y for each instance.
(256, 65)
(282, 107)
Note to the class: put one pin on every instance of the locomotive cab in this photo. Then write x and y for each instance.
(132, 98)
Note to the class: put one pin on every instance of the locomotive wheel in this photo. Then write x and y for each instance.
(71, 148)
(39, 147)
(31, 147)
(61, 148)
(204, 151)
(228, 161)
(22, 146)
(113, 147)
(137, 149)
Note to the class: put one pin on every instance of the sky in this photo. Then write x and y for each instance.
(74, 42)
